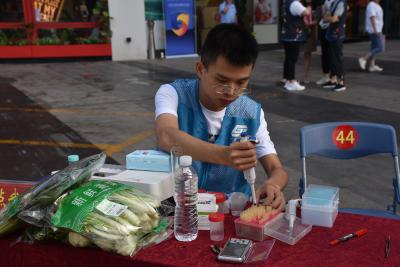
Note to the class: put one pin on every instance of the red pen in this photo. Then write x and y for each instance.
(358, 233)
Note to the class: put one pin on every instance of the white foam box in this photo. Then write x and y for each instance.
(158, 184)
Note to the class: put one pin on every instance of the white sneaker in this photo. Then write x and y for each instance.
(375, 68)
(299, 87)
(362, 63)
(290, 86)
(293, 86)
(323, 80)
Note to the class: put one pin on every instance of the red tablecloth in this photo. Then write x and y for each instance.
(312, 250)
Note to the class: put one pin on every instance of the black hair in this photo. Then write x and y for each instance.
(231, 41)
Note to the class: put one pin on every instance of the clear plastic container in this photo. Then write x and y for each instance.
(238, 201)
(278, 228)
(186, 217)
(319, 205)
(253, 231)
(217, 221)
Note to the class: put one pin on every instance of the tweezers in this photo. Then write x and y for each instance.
(387, 247)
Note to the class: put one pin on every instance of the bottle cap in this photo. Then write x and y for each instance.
(73, 158)
(219, 197)
(216, 217)
(185, 161)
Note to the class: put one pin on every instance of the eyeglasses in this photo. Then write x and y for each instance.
(228, 89)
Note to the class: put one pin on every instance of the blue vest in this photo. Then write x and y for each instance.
(241, 114)
(336, 31)
(293, 27)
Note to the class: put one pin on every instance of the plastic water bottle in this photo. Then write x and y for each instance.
(185, 221)
(72, 158)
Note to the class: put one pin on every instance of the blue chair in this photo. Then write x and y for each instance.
(349, 140)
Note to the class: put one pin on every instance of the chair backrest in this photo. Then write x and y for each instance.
(345, 140)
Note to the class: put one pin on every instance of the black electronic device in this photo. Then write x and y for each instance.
(235, 250)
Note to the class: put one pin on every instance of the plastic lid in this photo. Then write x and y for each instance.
(73, 158)
(219, 197)
(185, 161)
(202, 190)
(320, 196)
(216, 217)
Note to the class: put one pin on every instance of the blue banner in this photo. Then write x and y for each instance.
(180, 27)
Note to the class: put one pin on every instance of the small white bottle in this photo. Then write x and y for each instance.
(216, 226)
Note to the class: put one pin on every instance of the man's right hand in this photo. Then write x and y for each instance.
(226, 9)
(241, 155)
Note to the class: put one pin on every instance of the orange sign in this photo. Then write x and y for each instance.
(10, 189)
(345, 137)
(45, 10)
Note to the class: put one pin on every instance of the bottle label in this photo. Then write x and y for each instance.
(110, 208)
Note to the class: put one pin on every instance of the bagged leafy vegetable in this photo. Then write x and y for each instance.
(32, 206)
(111, 215)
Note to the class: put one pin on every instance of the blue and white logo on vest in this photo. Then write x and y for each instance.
(238, 130)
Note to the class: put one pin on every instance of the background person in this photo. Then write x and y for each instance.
(335, 35)
(228, 12)
(311, 43)
(293, 35)
(374, 26)
(323, 26)
(203, 116)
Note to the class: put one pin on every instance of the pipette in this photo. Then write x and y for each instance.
(250, 174)
(293, 203)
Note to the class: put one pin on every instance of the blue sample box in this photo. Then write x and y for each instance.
(148, 160)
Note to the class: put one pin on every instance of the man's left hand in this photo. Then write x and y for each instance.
(273, 194)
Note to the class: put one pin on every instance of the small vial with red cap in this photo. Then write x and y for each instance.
(220, 201)
(216, 226)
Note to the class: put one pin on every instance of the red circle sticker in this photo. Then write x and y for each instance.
(345, 137)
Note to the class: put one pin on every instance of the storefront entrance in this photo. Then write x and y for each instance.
(54, 28)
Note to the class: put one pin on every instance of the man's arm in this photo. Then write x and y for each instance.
(336, 16)
(276, 182)
(240, 156)
(373, 23)
(223, 8)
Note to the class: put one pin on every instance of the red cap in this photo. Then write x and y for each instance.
(216, 217)
(361, 232)
(219, 197)
(201, 190)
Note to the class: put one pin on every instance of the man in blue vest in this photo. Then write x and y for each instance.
(204, 116)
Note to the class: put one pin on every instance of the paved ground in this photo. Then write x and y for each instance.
(50, 110)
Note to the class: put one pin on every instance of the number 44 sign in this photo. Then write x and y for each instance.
(345, 137)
